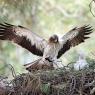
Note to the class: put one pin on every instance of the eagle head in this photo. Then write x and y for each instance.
(53, 39)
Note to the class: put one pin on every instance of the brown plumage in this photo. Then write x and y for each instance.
(18, 35)
(50, 50)
(75, 37)
(37, 65)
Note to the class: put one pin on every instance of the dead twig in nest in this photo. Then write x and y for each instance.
(52, 82)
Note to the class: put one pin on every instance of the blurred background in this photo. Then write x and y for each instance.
(44, 17)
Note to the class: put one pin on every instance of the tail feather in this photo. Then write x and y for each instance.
(38, 65)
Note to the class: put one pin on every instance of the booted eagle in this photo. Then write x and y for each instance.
(51, 49)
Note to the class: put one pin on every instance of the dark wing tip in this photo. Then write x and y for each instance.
(5, 31)
(88, 28)
(5, 25)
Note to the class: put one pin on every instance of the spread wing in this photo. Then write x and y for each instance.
(23, 37)
(74, 37)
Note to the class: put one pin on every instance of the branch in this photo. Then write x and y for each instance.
(90, 7)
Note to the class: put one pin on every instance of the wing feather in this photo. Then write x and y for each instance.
(74, 37)
(23, 37)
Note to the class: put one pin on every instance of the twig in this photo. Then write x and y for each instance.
(92, 91)
(90, 7)
(90, 84)
(12, 69)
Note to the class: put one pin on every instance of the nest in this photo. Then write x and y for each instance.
(51, 82)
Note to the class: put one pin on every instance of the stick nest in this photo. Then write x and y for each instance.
(52, 82)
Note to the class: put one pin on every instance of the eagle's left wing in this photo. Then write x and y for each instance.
(23, 37)
(74, 37)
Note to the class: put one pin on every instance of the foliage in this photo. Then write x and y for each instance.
(91, 62)
(44, 17)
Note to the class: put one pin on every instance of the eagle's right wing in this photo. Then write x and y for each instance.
(74, 37)
(23, 37)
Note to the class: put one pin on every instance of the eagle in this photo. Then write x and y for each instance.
(50, 50)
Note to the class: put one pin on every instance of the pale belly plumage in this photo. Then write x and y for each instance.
(51, 51)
